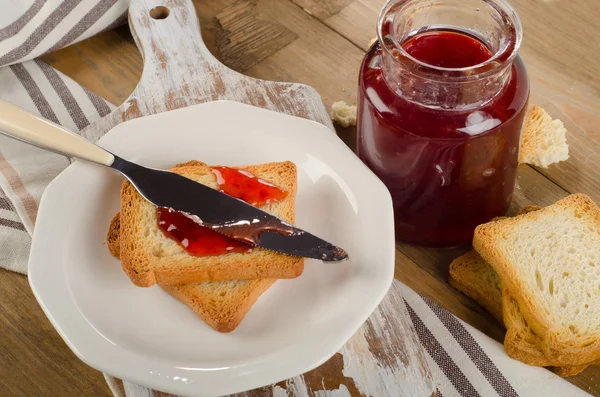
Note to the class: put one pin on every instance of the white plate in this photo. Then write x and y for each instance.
(144, 335)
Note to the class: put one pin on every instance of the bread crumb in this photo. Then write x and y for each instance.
(373, 41)
(544, 140)
(343, 114)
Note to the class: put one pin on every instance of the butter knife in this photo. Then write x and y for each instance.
(208, 207)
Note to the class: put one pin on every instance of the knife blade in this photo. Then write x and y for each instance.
(225, 214)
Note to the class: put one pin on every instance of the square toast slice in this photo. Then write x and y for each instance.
(471, 275)
(149, 256)
(221, 304)
(549, 260)
(474, 277)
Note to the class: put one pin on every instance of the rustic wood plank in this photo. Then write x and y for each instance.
(566, 83)
(244, 40)
(319, 57)
(109, 64)
(357, 22)
(322, 9)
(581, 173)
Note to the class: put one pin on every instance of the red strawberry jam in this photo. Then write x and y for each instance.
(444, 140)
(198, 240)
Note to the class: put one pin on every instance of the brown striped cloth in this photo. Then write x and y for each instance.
(464, 361)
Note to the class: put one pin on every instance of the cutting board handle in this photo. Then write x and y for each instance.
(180, 71)
(167, 31)
(176, 60)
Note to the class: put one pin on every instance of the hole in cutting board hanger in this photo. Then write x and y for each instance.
(159, 12)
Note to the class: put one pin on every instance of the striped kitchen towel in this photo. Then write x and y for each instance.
(29, 28)
(464, 361)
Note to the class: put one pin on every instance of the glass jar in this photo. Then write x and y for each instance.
(441, 101)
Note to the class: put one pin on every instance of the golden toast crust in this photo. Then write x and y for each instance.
(149, 257)
(559, 343)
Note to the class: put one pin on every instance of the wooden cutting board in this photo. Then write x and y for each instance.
(179, 71)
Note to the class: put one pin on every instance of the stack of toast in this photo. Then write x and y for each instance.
(539, 274)
(222, 288)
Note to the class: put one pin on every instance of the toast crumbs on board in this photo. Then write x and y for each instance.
(343, 114)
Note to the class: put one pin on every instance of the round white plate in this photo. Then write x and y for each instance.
(145, 336)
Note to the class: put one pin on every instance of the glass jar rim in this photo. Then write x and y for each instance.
(503, 56)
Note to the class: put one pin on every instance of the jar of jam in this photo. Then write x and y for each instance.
(441, 102)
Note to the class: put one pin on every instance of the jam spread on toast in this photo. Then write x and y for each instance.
(198, 240)
(243, 185)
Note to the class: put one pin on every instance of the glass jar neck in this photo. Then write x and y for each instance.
(489, 22)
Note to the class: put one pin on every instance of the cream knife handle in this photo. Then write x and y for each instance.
(20, 124)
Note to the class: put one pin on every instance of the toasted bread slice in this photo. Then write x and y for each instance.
(113, 237)
(221, 304)
(549, 260)
(544, 140)
(567, 371)
(523, 344)
(149, 256)
(474, 277)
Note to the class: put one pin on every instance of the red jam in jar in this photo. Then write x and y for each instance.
(440, 113)
(447, 49)
(198, 240)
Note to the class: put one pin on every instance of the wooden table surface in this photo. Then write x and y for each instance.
(321, 43)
